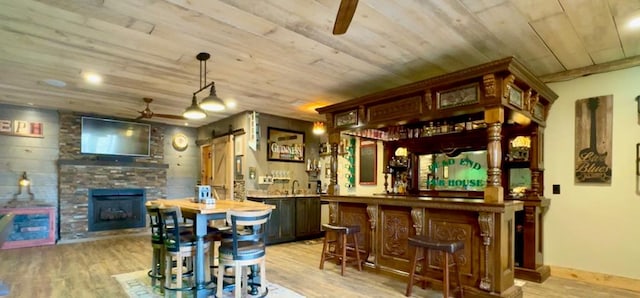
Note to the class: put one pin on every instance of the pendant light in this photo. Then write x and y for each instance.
(212, 102)
(209, 103)
(194, 112)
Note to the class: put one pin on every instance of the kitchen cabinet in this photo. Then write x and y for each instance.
(281, 225)
(307, 217)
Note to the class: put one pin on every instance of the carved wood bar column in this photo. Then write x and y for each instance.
(494, 192)
(494, 117)
(333, 188)
(486, 221)
(372, 212)
(537, 164)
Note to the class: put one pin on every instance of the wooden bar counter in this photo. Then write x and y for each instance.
(487, 229)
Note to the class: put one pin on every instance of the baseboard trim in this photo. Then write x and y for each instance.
(597, 278)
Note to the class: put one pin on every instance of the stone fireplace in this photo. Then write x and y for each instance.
(79, 174)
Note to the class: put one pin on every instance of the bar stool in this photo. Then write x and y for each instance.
(180, 246)
(243, 249)
(330, 247)
(448, 247)
(157, 241)
(157, 244)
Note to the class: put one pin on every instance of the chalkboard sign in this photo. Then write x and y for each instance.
(368, 158)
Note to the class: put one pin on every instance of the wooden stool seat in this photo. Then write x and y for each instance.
(449, 249)
(330, 247)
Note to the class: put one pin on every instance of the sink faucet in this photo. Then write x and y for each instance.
(293, 186)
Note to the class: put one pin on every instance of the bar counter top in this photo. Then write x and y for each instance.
(466, 204)
(277, 196)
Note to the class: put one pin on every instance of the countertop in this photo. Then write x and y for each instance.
(276, 196)
(429, 202)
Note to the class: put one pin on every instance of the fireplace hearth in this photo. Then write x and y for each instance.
(116, 208)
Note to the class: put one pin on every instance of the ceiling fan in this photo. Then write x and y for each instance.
(148, 114)
(345, 14)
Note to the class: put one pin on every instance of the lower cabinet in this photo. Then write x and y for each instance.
(281, 226)
(294, 218)
(307, 217)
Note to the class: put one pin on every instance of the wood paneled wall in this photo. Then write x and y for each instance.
(36, 156)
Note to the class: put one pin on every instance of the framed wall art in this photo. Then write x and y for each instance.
(285, 145)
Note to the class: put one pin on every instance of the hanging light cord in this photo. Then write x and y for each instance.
(203, 77)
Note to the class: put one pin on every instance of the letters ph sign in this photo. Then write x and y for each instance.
(21, 128)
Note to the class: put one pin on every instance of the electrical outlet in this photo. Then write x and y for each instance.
(265, 180)
(556, 189)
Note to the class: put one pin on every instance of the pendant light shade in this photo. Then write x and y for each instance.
(212, 102)
(194, 112)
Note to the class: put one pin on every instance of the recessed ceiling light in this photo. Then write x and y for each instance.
(634, 23)
(55, 83)
(230, 103)
(186, 124)
(93, 78)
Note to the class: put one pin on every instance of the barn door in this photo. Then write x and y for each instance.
(223, 167)
(206, 166)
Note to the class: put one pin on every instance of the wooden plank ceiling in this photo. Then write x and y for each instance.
(280, 57)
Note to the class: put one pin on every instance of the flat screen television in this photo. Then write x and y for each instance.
(114, 137)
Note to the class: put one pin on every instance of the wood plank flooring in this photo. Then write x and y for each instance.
(85, 270)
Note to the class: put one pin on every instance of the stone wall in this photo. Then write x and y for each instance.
(80, 172)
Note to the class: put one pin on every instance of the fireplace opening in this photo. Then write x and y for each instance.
(116, 208)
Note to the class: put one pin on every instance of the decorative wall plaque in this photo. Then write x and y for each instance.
(593, 140)
(462, 96)
(21, 128)
(515, 96)
(346, 118)
(538, 111)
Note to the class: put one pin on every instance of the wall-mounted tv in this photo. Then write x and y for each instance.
(114, 137)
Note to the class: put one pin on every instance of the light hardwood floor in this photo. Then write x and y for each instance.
(85, 270)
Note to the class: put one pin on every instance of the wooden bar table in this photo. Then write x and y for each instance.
(201, 213)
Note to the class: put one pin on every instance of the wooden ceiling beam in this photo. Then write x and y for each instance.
(591, 69)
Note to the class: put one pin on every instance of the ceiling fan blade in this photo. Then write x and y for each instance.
(168, 116)
(345, 14)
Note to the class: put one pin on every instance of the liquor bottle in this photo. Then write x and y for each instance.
(444, 128)
(468, 125)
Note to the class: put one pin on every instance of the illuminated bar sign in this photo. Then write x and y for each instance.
(21, 128)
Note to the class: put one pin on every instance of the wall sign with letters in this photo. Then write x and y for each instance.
(593, 140)
(21, 128)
